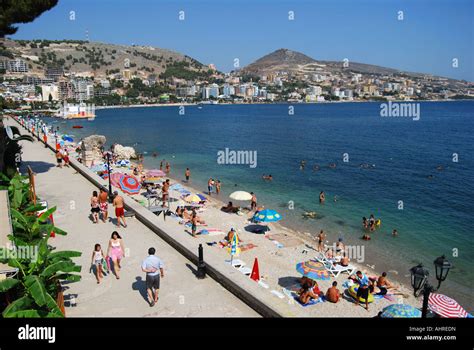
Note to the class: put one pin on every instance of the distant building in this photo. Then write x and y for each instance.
(54, 72)
(66, 90)
(17, 66)
(34, 80)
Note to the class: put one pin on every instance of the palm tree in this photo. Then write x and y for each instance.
(10, 149)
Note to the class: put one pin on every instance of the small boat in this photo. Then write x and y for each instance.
(77, 126)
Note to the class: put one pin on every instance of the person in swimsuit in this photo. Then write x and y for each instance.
(165, 192)
(209, 185)
(194, 223)
(59, 159)
(187, 174)
(119, 211)
(365, 224)
(116, 251)
(218, 186)
(253, 202)
(322, 197)
(321, 238)
(333, 294)
(384, 284)
(95, 210)
(167, 168)
(65, 155)
(344, 260)
(97, 259)
(103, 205)
(363, 289)
(372, 222)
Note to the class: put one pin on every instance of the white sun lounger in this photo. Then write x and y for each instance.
(336, 270)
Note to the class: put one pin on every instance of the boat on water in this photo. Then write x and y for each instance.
(76, 111)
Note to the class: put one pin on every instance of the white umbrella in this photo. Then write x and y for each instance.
(240, 196)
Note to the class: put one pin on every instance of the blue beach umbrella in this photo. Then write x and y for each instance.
(400, 311)
(267, 215)
(67, 138)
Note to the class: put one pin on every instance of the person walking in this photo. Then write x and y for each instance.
(153, 266)
(103, 204)
(95, 210)
(119, 211)
(116, 251)
(59, 159)
(97, 259)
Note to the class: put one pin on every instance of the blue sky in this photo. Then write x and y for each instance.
(432, 33)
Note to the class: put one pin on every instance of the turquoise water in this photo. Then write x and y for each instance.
(437, 212)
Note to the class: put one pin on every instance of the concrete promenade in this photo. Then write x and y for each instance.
(181, 293)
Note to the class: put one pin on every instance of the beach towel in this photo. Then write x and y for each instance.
(211, 232)
(248, 246)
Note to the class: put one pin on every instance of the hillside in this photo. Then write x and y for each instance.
(296, 63)
(100, 59)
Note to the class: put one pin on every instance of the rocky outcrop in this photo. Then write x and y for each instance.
(124, 152)
(92, 149)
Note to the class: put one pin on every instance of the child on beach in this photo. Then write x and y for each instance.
(97, 260)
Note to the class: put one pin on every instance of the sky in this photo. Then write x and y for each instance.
(430, 36)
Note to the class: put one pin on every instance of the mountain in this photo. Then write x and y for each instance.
(94, 57)
(296, 63)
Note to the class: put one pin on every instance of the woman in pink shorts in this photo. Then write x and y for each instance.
(116, 251)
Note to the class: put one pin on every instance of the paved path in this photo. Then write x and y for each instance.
(181, 293)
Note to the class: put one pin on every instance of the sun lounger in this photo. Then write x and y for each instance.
(245, 270)
(336, 270)
(236, 263)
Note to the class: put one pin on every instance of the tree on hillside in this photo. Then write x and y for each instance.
(21, 11)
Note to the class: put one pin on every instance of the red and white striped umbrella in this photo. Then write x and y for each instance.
(445, 306)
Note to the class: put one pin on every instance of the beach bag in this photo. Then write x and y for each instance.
(105, 266)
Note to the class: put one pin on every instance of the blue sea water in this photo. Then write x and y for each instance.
(402, 153)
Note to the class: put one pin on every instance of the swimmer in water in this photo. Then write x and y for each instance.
(394, 233)
(302, 164)
(332, 165)
(315, 167)
(322, 197)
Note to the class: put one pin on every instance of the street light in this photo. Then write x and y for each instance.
(420, 284)
(110, 173)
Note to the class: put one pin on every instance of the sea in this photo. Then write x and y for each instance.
(414, 174)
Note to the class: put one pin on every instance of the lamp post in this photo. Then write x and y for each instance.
(110, 173)
(201, 271)
(420, 284)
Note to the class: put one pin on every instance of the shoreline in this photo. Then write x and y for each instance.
(272, 103)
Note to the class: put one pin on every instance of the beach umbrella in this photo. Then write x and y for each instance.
(400, 311)
(313, 270)
(155, 173)
(192, 198)
(115, 178)
(129, 184)
(445, 306)
(67, 138)
(203, 197)
(240, 196)
(234, 249)
(267, 215)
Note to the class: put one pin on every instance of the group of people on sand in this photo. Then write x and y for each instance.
(100, 207)
(190, 217)
(310, 291)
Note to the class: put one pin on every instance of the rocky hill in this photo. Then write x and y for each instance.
(98, 59)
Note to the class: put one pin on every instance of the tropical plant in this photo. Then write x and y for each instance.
(39, 278)
(40, 269)
(10, 149)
